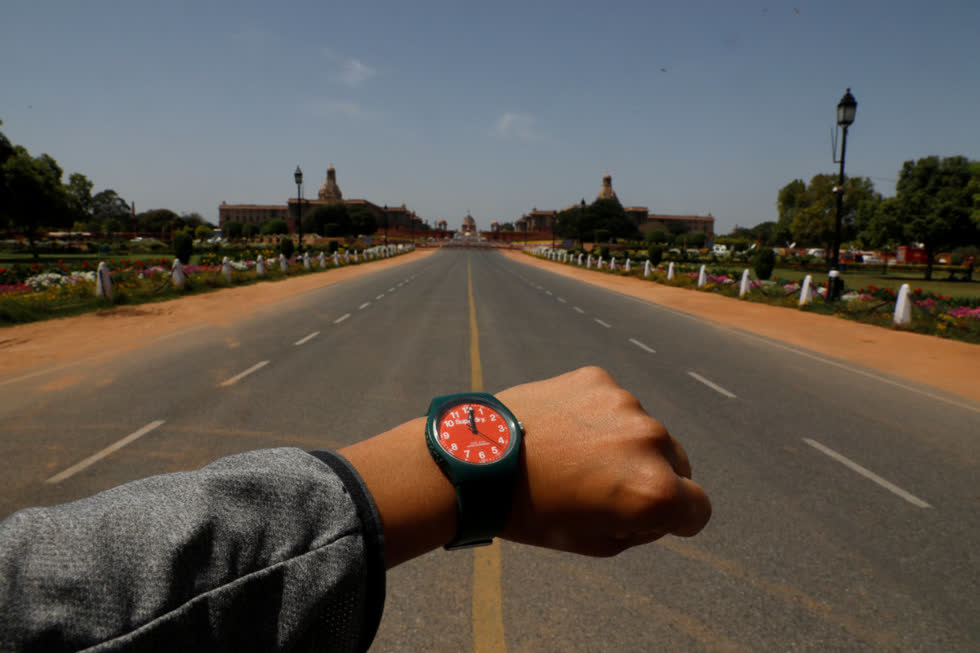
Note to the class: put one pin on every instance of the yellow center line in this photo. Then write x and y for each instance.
(488, 604)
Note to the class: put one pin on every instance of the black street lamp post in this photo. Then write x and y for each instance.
(581, 224)
(298, 176)
(846, 109)
(386, 229)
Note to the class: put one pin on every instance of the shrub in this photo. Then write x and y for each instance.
(763, 262)
(250, 230)
(332, 246)
(183, 246)
(286, 247)
(656, 254)
(602, 236)
(275, 226)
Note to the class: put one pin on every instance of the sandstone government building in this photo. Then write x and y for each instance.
(400, 217)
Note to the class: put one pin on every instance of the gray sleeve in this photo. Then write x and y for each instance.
(266, 550)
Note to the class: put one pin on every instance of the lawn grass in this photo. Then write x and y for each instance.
(855, 280)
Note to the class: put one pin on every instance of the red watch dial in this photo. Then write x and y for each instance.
(473, 433)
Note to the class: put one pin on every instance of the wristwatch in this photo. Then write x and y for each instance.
(476, 441)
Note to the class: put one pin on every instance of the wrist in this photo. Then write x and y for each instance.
(415, 500)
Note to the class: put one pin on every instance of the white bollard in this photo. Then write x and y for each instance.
(646, 269)
(356, 257)
(259, 267)
(903, 306)
(580, 260)
(598, 264)
(743, 288)
(226, 269)
(806, 292)
(306, 260)
(323, 261)
(588, 262)
(336, 259)
(612, 264)
(670, 271)
(702, 277)
(178, 274)
(103, 281)
(283, 264)
(628, 266)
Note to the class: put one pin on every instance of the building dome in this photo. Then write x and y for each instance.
(330, 191)
(607, 192)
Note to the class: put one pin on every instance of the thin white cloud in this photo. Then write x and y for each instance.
(518, 126)
(352, 72)
(356, 72)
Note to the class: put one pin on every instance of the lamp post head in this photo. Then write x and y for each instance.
(298, 176)
(846, 109)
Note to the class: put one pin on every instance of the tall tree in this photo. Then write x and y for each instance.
(79, 191)
(815, 214)
(33, 195)
(107, 205)
(789, 203)
(935, 202)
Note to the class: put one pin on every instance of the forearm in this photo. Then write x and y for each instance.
(252, 549)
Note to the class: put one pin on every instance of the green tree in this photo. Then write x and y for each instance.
(183, 246)
(362, 221)
(233, 230)
(763, 262)
(815, 215)
(32, 195)
(696, 239)
(250, 230)
(203, 232)
(935, 203)
(80, 196)
(107, 204)
(331, 214)
(274, 226)
(656, 236)
(157, 221)
(112, 226)
(789, 202)
(608, 214)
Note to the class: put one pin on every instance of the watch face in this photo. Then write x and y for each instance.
(473, 433)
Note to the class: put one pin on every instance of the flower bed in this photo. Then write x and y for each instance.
(32, 291)
(932, 313)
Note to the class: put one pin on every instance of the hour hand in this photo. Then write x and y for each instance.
(472, 420)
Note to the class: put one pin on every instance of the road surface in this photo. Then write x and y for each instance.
(845, 506)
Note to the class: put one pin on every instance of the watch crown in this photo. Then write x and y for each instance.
(521, 425)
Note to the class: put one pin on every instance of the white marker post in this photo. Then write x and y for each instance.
(323, 261)
(103, 281)
(670, 271)
(283, 264)
(903, 306)
(226, 269)
(628, 266)
(580, 260)
(806, 293)
(588, 262)
(306, 260)
(178, 274)
(336, 260)
(743, 288)
(646, 269)
(702, 277)
(259, 267)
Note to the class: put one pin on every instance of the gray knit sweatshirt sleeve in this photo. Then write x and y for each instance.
(261, 551)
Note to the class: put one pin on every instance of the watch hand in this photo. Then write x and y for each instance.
(485, 437)
(472, 421)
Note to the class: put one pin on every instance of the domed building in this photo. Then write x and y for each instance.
(330, 191)
(606, 192)
(469, 226)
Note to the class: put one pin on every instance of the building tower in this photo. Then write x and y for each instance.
(607, 192)
(330, 191)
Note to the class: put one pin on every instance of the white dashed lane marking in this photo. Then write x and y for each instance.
(867, 473)
(714, 386)
(642, 346)
(363, 306)
(238, 377)
(303, 341)
(341, 318)
(578, 309)
(96, 457)
(605, 324)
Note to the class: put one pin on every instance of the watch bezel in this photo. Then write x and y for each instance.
(461, 471)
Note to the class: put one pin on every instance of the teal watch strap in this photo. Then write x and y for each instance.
(484, 492)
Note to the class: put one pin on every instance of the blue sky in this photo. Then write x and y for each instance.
(492, 107)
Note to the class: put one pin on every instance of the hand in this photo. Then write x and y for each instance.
(599, 474)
